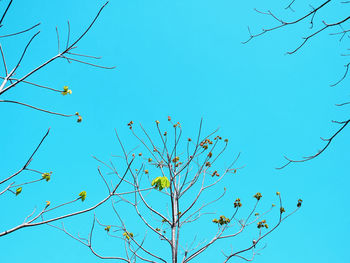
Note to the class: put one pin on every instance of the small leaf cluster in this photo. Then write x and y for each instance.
(80, 119)
(258, 196)
(237, 203)
(262, 224)
(82, 196)
(176, 161)
(130, 124)
(215, 173)
(46, 176)
(128, 235)
(299, 203)
(204, 144)
(223, 220)
(66, 91)
(177, 125)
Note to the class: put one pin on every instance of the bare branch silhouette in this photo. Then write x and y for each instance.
(174, 173)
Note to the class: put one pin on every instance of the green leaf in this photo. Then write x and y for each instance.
(18, 191)
(47, 176)
(128, 235)
(165, 182)
(161, 182)
(83, 196)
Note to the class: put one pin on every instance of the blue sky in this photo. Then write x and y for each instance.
(184, 59)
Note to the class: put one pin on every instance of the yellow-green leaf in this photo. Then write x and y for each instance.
(161, 182)
(47, 176)
(83, 196)
(66, 91)
(18, 191)
(128, 235)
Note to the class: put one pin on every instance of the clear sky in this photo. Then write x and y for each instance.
(185, 59)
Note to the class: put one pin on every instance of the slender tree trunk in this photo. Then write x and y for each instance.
(174, 227)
